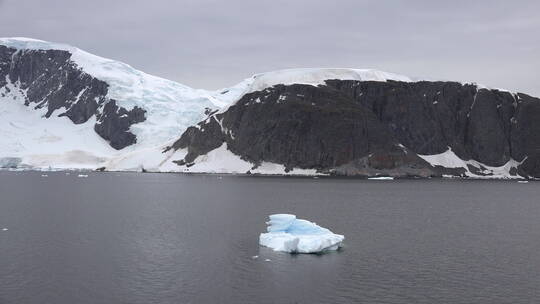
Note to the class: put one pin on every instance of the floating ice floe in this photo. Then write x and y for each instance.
(4, 229)
(82, 175)
(523, 181)
(381, 178)
(288, 234)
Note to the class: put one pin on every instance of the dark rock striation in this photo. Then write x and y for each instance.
(50, 80)
(367, 127)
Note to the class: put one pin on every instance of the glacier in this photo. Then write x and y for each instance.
(286, 233)
(170, 107)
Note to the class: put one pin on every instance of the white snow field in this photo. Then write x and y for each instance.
(288, 234)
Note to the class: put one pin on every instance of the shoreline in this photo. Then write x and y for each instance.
(310, 176)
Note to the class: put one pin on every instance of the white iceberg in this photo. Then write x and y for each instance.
(381, 178)
(288, 234)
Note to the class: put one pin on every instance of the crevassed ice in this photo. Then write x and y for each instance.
(288, 234)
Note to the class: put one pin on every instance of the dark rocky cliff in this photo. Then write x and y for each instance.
(367, 128)
(52, 81)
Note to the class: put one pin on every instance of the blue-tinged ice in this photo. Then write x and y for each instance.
(288, 234)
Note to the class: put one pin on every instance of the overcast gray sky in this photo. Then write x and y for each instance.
(212, 44)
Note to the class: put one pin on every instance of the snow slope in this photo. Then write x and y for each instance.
(42, 143)
(170, 107)
(221, 160)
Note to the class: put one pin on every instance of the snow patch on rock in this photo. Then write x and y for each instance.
(222, 160)
(449, 159)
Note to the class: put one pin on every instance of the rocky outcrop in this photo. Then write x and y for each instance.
(48, 79)
(114, 122)
(353, 127)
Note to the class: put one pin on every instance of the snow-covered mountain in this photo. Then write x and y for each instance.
(61, 107)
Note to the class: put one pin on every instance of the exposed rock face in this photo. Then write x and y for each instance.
(367, 127)
(429, 117)
(114, 122)
(525, 131)
(50, 80)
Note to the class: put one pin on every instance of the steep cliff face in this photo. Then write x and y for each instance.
(429, 117)
(356, 127)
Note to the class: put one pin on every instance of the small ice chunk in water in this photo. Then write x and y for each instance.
(381, 178)
(4, 229)
(82, 175)
(267, 260)
(288, 234)
(255, 257)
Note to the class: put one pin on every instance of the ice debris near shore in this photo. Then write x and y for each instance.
(288, 234)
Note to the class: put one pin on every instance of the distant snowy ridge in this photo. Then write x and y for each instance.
(318, 76)
(309, 76)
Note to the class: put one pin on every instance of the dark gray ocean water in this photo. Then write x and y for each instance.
(168, 238)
